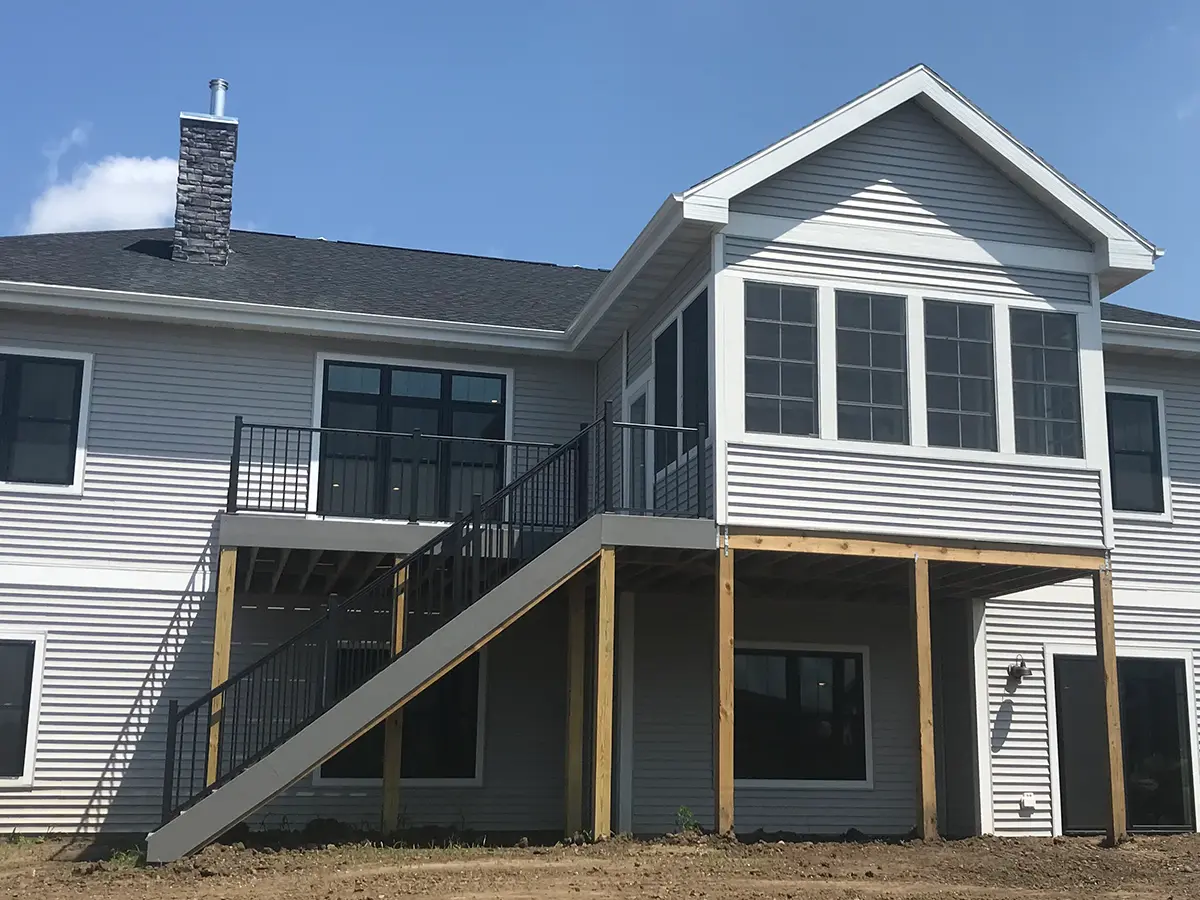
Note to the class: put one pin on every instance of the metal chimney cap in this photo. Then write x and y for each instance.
(219, 83)
(216, 105)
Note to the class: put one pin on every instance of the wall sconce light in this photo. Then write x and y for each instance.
(1019, 670)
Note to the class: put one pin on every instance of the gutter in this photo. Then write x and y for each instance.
(1137, 336)
(266, 317)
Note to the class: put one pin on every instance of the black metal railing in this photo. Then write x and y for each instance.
(272, 699)
(368, 474)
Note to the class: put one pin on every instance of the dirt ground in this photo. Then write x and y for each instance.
(978, 869)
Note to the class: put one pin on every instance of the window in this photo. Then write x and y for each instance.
(40, 401)
(1045, 361)
(666, 393)
(872, 368)
(681, 380)
(440, 735)
(693, 400)
(959, 379)
(781, 359)
(800, 715)
(371, 475)
(638, 440)
(20, 667)
(1135, 452)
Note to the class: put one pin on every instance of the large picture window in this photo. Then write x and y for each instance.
(439, 736)
(960, 384)
(799, 715)
(372, 475)
(18, 702)
(40, 400)
(681, 379)
(781, 359)
(872, 368)
(1045, 362)
(1135, 452)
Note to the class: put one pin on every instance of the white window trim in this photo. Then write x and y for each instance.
(75, 488)
(473, 782)
(733, 391)
(868, 740)
(314, 462)
(1129, 651)
(24, 781)
(1129, 515)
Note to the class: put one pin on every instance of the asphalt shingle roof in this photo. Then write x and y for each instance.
(311, 274)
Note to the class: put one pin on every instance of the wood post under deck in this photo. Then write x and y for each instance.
(723, 696)
(222, 638)
(602, 732)
(1106, 653)
(393, 729)
(926, 779)
(576, 704)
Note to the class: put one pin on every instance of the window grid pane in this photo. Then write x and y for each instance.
(781, 359)
(1045, 352)
(872, 367)
(1135, 453)
(959, 375)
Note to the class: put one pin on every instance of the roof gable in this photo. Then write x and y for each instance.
(905, 170)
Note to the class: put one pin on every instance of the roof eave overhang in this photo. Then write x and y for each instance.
(266, 317)
(1162, 339)
(1122, 255)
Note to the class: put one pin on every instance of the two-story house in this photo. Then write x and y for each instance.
(842, 501)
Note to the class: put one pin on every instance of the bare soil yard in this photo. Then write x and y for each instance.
(977, 869)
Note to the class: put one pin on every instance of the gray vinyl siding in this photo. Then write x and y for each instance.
(905, 170)
(161, 423)
(844, 490)
(609, 384)
(1161, 554)
(673, 715)
(641, 349)
(1018, 727)
(909, 273)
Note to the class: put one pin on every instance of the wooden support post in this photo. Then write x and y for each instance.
(576, 704)
(926, 777)
(1106, 652)
(393, 728)
(723, 696)
(603, 729)
(222, 638)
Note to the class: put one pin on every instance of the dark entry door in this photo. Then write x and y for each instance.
(1155, 743)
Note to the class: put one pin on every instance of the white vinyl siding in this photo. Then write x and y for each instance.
(930, 276)
(904, 170)
(1018, 727)
(1157, 553)
(673, 716)
(869, 493)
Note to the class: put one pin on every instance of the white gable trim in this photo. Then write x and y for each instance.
(1117, 244)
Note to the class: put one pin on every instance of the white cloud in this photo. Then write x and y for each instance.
(55, 152)
(117, 192)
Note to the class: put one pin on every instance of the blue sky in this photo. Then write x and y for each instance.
(553, 130)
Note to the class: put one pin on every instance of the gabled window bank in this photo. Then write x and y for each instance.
(782, 391)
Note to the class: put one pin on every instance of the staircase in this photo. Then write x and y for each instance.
(285, 714)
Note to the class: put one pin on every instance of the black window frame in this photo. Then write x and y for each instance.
(1155, 455)
(1034, 431)
(682, 381)
(846, 331)
(383, 451)
(11, 418)
(363, 756)
(21, 752)
(758, 363)
(967, 349)
(856, 766)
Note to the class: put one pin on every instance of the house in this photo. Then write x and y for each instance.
(844, 500)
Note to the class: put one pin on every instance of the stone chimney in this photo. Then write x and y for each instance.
(204, 192)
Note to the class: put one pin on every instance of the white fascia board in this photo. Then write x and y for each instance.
(266, 317)
(660, 227)
(1119, 245)
(1154, 338)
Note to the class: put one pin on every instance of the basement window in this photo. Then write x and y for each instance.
(441, 732)
(20, 690)
(41, 405)
(800, 716)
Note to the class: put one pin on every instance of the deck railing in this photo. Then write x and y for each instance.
(599, 470)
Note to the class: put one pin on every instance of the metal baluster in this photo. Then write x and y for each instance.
(701, 485)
